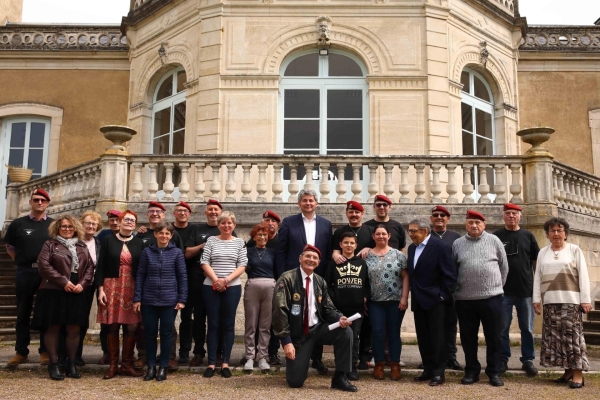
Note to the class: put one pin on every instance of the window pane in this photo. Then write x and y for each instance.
(179, 121)
(15, 158)
(343, 66)
(307, 65)
(166, 89)
(467, 117)
(17, 135)
(344, 135)
(301, 104)
(178, 141)
(467, 141)
(301, 169)
(480, 89)
(344, 104)
(301, 134)
(483, 123)
(36, 136)
(161, 145)
(35, 159)
(464, 79)
(162, 122)
(485, 147)
(181, 79)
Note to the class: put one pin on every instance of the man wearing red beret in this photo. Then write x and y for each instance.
(364, 233)
(482, 270)
(24, 239)
(113, 225)
(521, 251)
(272, 220)
(382, 207)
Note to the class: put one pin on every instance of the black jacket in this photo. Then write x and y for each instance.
(110, 257)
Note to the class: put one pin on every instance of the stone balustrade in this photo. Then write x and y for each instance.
(576, 190)
(561, 38)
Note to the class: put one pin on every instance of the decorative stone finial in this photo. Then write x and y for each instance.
(118, 134)
(483, 53)
(535, 137)
(323, 30)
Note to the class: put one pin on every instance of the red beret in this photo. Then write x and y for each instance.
(113, 213)
(511, 206)
(354, 205)
(215, 203)
(41, 192)
(156, 204)
(184, 204)
(441, 209)
(272, 215)
(381, 197)
(310, 247)
(472, 214)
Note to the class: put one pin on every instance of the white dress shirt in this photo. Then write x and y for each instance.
(313, 319)
(420, 249)
(310, 227)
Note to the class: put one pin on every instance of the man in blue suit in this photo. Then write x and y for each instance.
(432, 278)
(295, 232)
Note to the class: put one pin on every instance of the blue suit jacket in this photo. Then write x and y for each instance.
(292, 239)
(434, 276)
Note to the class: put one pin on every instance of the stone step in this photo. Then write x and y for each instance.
(8, 289)
(8, 300)
(592, 338)
(9, 335)
(591, 326)
(593, 315)
(8, 311)
(8, 322)
(7, 280)
(597, 304)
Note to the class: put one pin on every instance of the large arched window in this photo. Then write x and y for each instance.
(323, 106)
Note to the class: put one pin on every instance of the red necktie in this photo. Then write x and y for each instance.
(306, 306)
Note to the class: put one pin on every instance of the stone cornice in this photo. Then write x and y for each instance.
(503, 9)
(563, 38)
(249, 81)
(397, 82)
(142, 9)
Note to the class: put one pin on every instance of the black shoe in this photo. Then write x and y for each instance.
(503, 366)
(495, 380)
(161, 374)
(339, 381)
(453, 364)
(209, 372)
(225, 372)
(274, 359)
(363, 365)
(577, 385)
(437, 380)
(529, 369)
(469, 379)
(564, 379)
(54, 372)
(353, 375)
(319, 366)
(62, 362)
(184, 358)
(79, 362)
(150, 374)
(72, 370)
(425, 376)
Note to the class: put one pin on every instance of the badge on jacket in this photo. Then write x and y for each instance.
(319, 299)
(296, 297)
(295, 309)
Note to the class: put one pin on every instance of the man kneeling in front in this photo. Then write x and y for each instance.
(302, 312)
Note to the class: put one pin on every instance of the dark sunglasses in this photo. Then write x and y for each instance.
(438, 215)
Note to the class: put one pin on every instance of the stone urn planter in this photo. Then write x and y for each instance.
(118, 134)
(535, 137)
(19, 174)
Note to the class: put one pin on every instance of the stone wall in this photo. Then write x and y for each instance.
(11, 10)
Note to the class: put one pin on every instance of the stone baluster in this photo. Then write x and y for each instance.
(420, 185)
(293, 186)
(62, 189)
(79, 194)
(261, 186)
(404, 187)
(483, 187)
(215, 185)
(136, 186)
(596, 198)
(500, 183)
(451, 187)
(373, 187)
(591, 197)
(561, 197)
(184, 183)
(230, 186)
(152, 181)
(585, 193)
(436, 187)
(199, 186)
(467, 187)
(87, 185)
(277, 186)
(57, 187)
(515, 183)
(68, 197)
(569, 191)
(578, 197)
(555, 190)
(246, 185)
(324, 187)
(23, 194)
(388, 186)
(168, 186)
(340, 188)
(97, 180)
(308, 184)
(356, 186)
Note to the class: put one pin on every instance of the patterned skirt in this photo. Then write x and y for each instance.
(563, 344)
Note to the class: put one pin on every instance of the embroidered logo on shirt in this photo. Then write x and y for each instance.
(349, 269)
(28, 232)
(295, 309)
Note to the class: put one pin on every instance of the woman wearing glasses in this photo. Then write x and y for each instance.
(562, 284)
(115, 279)
(67, 269)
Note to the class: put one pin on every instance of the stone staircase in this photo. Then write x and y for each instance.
(591, 327)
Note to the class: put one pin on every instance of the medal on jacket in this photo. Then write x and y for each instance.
(319, 299)
(296, 309)
(296, 297)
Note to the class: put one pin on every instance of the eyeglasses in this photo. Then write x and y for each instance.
(151, 212)
(438, 215)
(559, 231)
(262, 235)
(67, 227)
(381, 205)
(129, 220)
(413, 231)
(183, 211)
(90, 224)
(38, 200)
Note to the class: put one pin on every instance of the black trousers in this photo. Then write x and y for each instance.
(341, 339)
(27, 282)
(193, 316)
(450, 328)
(471, 313)
(366, 337)
(429, 325)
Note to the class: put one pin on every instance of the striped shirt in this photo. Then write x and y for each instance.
(224, 256)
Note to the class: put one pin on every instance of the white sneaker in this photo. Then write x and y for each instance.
(372, 363)
(402, 364)
(263, 365)
(249, 366)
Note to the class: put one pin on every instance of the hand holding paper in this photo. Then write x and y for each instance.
(337, 324)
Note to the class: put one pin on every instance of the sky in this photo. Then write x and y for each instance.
(538, 12)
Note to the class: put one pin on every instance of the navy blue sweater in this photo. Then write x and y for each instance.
(161, 279)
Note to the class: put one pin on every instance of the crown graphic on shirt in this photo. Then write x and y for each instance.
(349, 270)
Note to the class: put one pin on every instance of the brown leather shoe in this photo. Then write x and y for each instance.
(44, 358)
(113, 356)
(140, 362)
(16, 360)
(394, 370)
(196, 361)
(173, 365)
(127, 368)
(378, 370)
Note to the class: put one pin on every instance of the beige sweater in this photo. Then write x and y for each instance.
(561, 281)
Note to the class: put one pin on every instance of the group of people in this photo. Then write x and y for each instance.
(301, 277)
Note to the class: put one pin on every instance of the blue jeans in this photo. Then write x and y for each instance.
(221, 309)
(524, 308)
(151, 315)
(386, 317)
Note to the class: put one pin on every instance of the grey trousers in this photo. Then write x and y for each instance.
(258, 310)
(341, 339)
